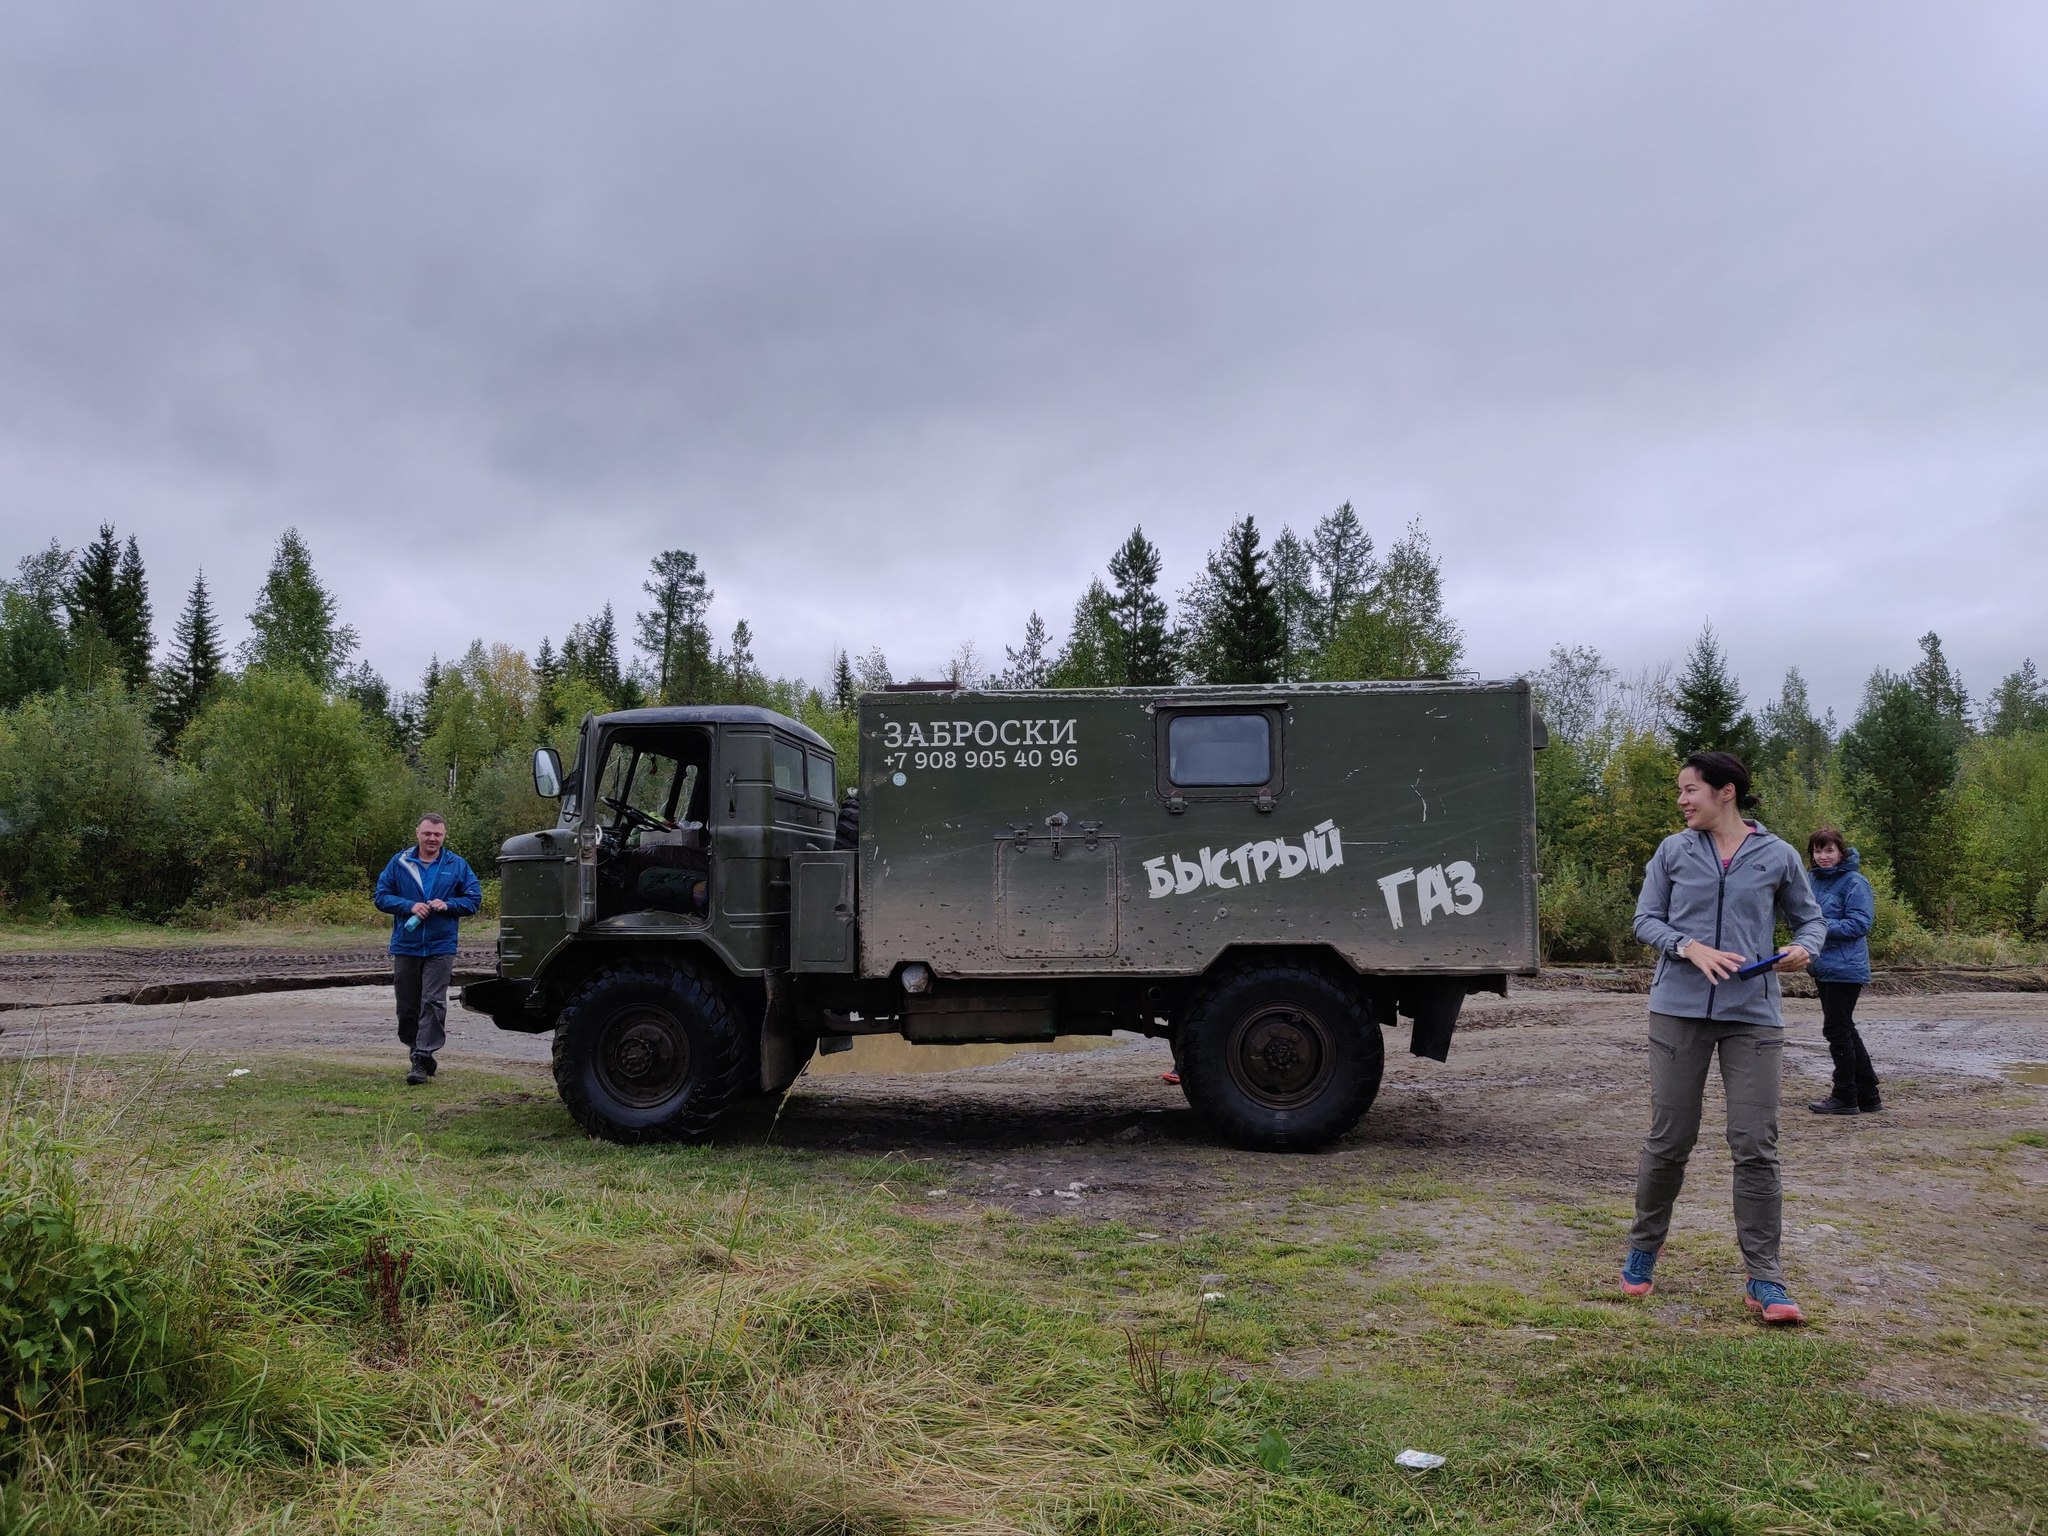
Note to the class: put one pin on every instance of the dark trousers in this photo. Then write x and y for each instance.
(421, 982)
(1681, 1052)
(1855, 1081)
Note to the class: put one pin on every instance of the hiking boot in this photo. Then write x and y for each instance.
(1834, 1106)
(1768, 1300)
(1636, 1279)
(1869, 1106)
(424, 1060)
(422, 1069)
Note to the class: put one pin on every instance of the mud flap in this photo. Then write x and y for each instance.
(784, 1047)
(1434, 1009)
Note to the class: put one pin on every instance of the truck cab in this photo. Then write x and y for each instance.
(1266, 877)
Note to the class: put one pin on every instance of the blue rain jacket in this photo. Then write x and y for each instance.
(1850, 907)
(406, 880)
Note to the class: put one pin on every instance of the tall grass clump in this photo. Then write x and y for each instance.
(88, 1330)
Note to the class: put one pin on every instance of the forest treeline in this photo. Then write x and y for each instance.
(184, 784)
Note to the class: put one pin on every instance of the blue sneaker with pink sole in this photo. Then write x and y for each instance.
(1636, 1276)
(1768, 1300)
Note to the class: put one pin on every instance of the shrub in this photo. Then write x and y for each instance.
(88, 812)
(283, 776)
(1584, 914)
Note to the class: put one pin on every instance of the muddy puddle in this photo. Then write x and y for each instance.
(2034, 1072)
(879, 1055)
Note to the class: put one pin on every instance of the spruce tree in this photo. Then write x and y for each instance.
(1340, 550)
(1241, 638)
(131, 629)
(1941, 686)
(1292, 567)
(93, 604)
(192, 668)
(1792, 733)
(1028, 663)
(1707, 713)
(844, 691)
(1898, 763)
(743, 675)
(597, 652)
(2019, 704)
(1093, 654)
(294, 621)
(547, 680)
(1146, 659)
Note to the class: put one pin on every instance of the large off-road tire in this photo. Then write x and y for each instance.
(650, 1052)
(1279, 1057)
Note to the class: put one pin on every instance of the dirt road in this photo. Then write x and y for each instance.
(172, 975)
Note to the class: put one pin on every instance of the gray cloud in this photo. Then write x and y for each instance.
(901, 316)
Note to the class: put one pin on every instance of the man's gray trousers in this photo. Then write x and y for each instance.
(421, 982)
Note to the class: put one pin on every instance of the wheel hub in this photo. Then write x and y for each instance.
(646, 1057)
(1282, 1056)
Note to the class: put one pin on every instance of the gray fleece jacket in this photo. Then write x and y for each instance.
(1687, 895)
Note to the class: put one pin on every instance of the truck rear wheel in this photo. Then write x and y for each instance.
(1283, 1058)
(647, 1052)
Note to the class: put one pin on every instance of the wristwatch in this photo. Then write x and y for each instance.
(1678, 950)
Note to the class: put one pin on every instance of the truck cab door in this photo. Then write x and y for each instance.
(580, 878)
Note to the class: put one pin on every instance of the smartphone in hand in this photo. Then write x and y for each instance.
(1758, 967)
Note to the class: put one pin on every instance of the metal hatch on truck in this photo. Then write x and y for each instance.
(1056, 891)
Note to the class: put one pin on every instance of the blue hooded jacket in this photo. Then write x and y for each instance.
(406, 880)
(1850, 907)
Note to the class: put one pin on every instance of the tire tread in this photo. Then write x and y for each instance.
(722, 1054)
(1206, 1081)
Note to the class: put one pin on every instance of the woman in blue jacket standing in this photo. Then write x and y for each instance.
(1712, 896)
(1850, 907)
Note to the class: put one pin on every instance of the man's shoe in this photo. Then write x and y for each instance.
(415, 1077)
(424, 1060)
(1768, 1300)
(1636, 1279)
(1869, 1106)
(1834, 1106)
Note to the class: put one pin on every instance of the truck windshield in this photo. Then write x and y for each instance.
(655, 783)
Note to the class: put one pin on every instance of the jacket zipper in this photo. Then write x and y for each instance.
(1720, 894)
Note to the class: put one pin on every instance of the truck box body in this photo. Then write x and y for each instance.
(1130, 832)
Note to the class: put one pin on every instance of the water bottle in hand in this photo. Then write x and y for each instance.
(412, 922)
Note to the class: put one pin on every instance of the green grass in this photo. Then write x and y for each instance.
(368, 1309)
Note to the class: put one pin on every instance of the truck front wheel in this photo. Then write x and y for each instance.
(647, 1052)
(1282, 1058)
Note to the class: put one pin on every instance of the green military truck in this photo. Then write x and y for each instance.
(1263, 876)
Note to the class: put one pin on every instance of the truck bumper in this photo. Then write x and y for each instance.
(507, 1003)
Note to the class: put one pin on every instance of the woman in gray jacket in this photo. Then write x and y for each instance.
(1711, 898)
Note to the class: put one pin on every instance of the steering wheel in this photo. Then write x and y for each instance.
(631, 815)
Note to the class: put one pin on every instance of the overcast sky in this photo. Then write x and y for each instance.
(901, 316)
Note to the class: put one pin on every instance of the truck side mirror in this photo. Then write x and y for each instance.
(547, 773)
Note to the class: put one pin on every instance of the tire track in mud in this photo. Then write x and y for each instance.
(152, 976)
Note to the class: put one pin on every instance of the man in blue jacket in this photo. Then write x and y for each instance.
(427, 890)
